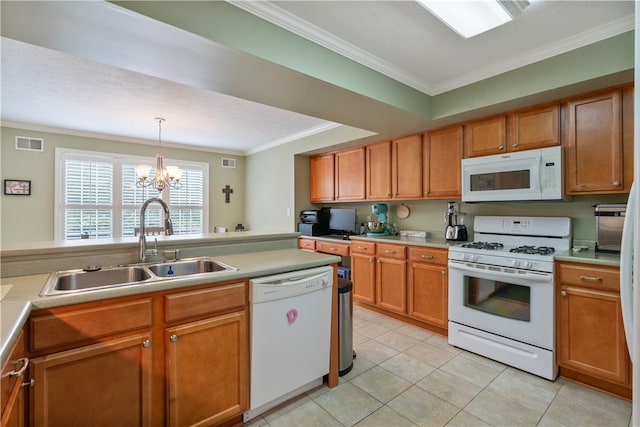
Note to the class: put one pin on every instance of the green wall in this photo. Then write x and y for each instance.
(27, 219)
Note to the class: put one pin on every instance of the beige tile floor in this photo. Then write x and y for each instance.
(406, 376)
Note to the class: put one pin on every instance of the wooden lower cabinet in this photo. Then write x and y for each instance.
(103, 384)
(391, 278)
(590, 334)
(15, 378)
(363, 277)
(207, 376)
(428, 284)
(177, 358)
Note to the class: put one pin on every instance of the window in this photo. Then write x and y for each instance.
(97, 196)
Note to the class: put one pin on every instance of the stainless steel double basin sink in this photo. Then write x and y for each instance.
(72, 281)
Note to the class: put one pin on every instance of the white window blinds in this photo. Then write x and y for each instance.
(99, 197)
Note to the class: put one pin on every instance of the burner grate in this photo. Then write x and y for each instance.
(490, 246)
(533, 250)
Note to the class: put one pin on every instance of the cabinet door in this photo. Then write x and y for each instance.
(350, 172)
(407, 167)
(594, 149)
(535, 128)
(322, 178)
(442, 162)
(378, 166)
(363, 277)
(485, 137)
(207, 370)
(104, 384)
(12, 392)
(391, 284)
(591, 334)
(428, 293)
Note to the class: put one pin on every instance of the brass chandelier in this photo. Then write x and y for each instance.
(164, 176)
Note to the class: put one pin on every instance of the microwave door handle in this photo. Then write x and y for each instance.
(528, 276)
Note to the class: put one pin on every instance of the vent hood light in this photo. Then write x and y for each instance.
(470, 18)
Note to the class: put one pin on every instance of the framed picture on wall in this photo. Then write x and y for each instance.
(17, 187)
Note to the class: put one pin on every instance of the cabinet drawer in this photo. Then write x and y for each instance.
(308, 244)
(332, 248)
(588, 275)
(358, 247)
(391, 251)
(90, 322)
(429, 255)
(201, 302)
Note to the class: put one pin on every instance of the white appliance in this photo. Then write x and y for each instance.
(523, 175)
(501, 290)
(290, 335)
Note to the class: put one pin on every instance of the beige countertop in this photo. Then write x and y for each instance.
(23, 291)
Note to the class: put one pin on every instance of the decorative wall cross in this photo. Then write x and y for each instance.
(227, 190)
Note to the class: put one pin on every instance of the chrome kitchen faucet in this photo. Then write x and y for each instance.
(168, 226)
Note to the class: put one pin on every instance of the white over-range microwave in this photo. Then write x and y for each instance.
(523, 175)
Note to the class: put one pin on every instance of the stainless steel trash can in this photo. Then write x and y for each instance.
(345, 326)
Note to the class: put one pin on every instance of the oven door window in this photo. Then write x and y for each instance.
(498, 298)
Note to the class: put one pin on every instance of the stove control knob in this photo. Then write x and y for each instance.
(515, 263)
(528, 264)
(470, 257)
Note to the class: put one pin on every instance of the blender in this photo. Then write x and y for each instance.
(379, 227)
(455, 220)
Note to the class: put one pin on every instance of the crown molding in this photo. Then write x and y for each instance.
(302, 28)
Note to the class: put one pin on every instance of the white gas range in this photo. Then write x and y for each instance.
(501, 290)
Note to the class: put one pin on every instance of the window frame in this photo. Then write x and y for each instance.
(118, 160)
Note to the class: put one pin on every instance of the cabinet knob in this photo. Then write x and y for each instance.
(515, 145)
(426, 193)
(616, 183)
(500, 147)
(146, 343)
(427, 256)
(370, 259)
(173, 338)
(29, 383)
(444, 273)
(389, 251)
(563, 293)
(362, 248)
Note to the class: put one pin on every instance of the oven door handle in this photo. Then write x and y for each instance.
(545, 278)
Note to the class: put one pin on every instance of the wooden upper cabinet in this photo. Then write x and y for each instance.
(594, 145)
(535, 128)
(485, 137)
(322, 177)
(378, 170)
(406, 167)
(442, 160)
(350, 174)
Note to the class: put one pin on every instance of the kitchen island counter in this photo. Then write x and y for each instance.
(23, 296)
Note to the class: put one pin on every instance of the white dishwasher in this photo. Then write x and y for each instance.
(290, 335)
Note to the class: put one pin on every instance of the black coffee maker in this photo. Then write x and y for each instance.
(455, 220)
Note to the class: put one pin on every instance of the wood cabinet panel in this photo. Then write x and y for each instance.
(350, 174)
(428, 293)
(334, 248)
(322, 178)
(378, 170)
(391, 284)
(391, 251)
(407, 167)
(205, 302)
(363, 277)
(590, 333)
(12, 393)
(442, 157)
(207, 370)
(594, 145)
(104, 384)
(429, 255)
(485, 137)
(307, 244)
(536, 128)
(360, 247)
(84, 324)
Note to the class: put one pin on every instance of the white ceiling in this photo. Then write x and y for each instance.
(95, 68)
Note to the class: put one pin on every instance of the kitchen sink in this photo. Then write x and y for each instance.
(72, 281)
(189, 267)
(81, 280)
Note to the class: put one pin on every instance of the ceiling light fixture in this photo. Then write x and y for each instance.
(164, 177)
(470, 18)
